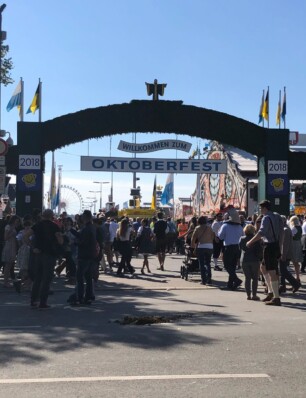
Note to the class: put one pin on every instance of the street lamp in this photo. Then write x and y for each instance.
(95, 192)
(101, 184)
(93, 203)
(9, 140)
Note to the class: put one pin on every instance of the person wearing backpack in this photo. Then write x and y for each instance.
(271, 231)
(171, 235)
(87, 254)
(160, 228)
(144, 243)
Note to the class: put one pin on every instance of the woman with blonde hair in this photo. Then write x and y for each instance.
(297, 251)
(250, 261)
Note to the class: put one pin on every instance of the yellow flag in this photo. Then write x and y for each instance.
(265, 108)
(278, 113)
(35, 101)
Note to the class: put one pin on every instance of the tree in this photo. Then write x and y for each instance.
(6, 67)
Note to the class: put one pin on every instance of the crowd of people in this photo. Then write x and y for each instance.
(39, 246)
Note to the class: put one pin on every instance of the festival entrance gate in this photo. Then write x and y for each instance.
(275, 162)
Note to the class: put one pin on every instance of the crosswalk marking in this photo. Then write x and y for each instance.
(134, 378)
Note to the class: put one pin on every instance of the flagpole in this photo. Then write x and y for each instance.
(39, 100)
(279, 109)
(285, 97)
(155, 189)
(22, 100)
(52, 183)
(268, 106)
(198, 186)
(112, 178)
(1, 10)
(263, 119)
(59, 193)
(173, 210)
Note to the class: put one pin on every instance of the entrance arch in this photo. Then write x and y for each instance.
(146, 116)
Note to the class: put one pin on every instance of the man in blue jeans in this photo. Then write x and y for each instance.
(231, 232)
(202, 238)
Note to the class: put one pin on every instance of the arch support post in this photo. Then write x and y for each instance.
(30, 168)
(273, 176)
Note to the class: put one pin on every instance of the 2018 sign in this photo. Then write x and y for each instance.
(277, 167)
(29, 162)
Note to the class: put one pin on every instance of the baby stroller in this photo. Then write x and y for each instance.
(190, 263)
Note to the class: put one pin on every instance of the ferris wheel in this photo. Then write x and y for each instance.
(71, 200)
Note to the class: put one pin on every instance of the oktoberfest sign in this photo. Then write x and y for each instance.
(154, 146)
(146, 165)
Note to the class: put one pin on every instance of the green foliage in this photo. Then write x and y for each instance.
(6, 67)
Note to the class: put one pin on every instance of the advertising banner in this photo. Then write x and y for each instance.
(147, 165)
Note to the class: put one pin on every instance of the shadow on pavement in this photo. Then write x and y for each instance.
(30, 335)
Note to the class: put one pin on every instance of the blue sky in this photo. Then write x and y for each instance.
(214, 54)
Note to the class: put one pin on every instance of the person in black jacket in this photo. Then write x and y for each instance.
(86, 242)
(159, 230)
(46, 243)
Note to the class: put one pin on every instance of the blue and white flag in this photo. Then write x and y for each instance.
(167, 197)
(16, 99)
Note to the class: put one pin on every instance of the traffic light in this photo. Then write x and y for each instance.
(135, 191)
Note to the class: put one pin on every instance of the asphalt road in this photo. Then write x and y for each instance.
(217, 345)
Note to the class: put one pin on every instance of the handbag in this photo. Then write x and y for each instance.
(116, 244)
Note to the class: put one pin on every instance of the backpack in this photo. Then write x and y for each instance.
(145, 234)
(298, 235)
(171, 227)
(106, 232)
(160, 228)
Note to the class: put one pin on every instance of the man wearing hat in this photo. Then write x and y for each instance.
(231, 232)
(271, 232)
